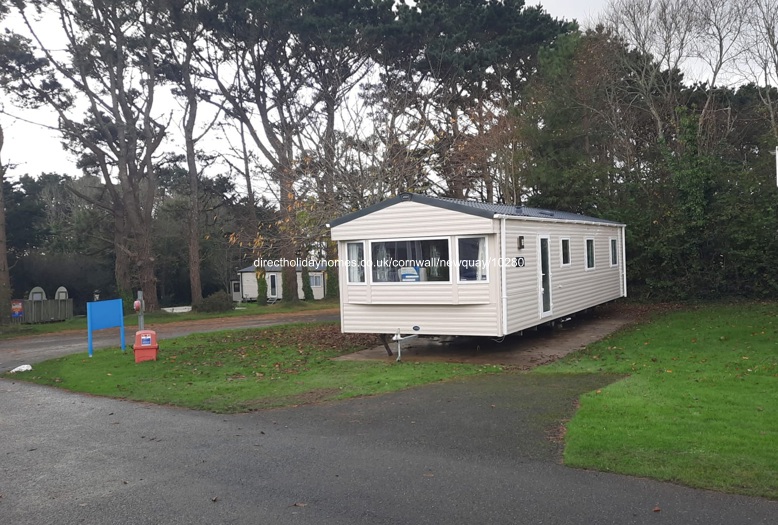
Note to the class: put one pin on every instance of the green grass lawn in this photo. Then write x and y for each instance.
(698, 404)
(245, 309)
(243, 370)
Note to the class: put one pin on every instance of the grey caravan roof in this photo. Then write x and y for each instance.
(480, 209)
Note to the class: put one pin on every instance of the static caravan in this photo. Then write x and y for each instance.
(316, 277)
(246, 289)
(436, 266)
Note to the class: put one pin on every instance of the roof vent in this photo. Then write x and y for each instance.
(406, 196)
(547, 213)
(519, 210)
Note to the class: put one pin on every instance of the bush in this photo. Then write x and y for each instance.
(216, 302)
(307, 290)
(261, 288)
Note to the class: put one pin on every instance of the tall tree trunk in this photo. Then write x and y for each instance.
(289, 244)
(332, 281)
(252, 203)
(146, 275)
(331, 287)
(122, 252)
(5, 278)
(195, 283)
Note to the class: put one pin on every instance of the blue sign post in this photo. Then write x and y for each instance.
(104, 314)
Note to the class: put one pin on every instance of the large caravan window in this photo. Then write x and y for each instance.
(412, 260)
(472, 258)
(356, 262)
(589, 254)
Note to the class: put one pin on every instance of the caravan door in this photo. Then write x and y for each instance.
(237, 295)
(273, 288)
(545, 277)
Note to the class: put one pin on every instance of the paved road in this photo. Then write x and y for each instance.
(466, 452)
(33, 349)
(469, 451)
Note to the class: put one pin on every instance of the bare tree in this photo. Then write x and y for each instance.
(661, 32)
(717, 42)
(761, 52)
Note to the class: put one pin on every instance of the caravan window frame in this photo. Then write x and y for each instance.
(589, 241)
(485, 260)
(370, 268)
(614, 248)
(355, 265)
(562, 252)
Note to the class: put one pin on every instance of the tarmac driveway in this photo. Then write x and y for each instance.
(469, 451)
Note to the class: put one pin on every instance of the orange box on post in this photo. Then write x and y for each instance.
(146, 346)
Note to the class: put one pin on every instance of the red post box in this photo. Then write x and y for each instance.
(146, 346)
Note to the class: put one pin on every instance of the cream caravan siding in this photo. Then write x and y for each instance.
(411, 219)
(573, 287)
(521, 282)
(477, 293)
(353, 293)
(423, 293)
(412, 293)
(249, 286)
(431, 320)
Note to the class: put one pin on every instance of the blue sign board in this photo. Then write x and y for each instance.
(104, 314)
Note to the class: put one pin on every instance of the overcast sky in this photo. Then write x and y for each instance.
(35, 149)
(582, 10)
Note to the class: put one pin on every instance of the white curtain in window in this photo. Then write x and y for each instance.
(481, 275)
(382, 261)
(356, 257)
(435, 262)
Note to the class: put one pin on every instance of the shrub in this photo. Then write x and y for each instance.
(307, 290)
(261, 288)
(216, 302)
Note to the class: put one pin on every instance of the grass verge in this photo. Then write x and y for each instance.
(161, 317)
(699, 405)
(243, 370)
